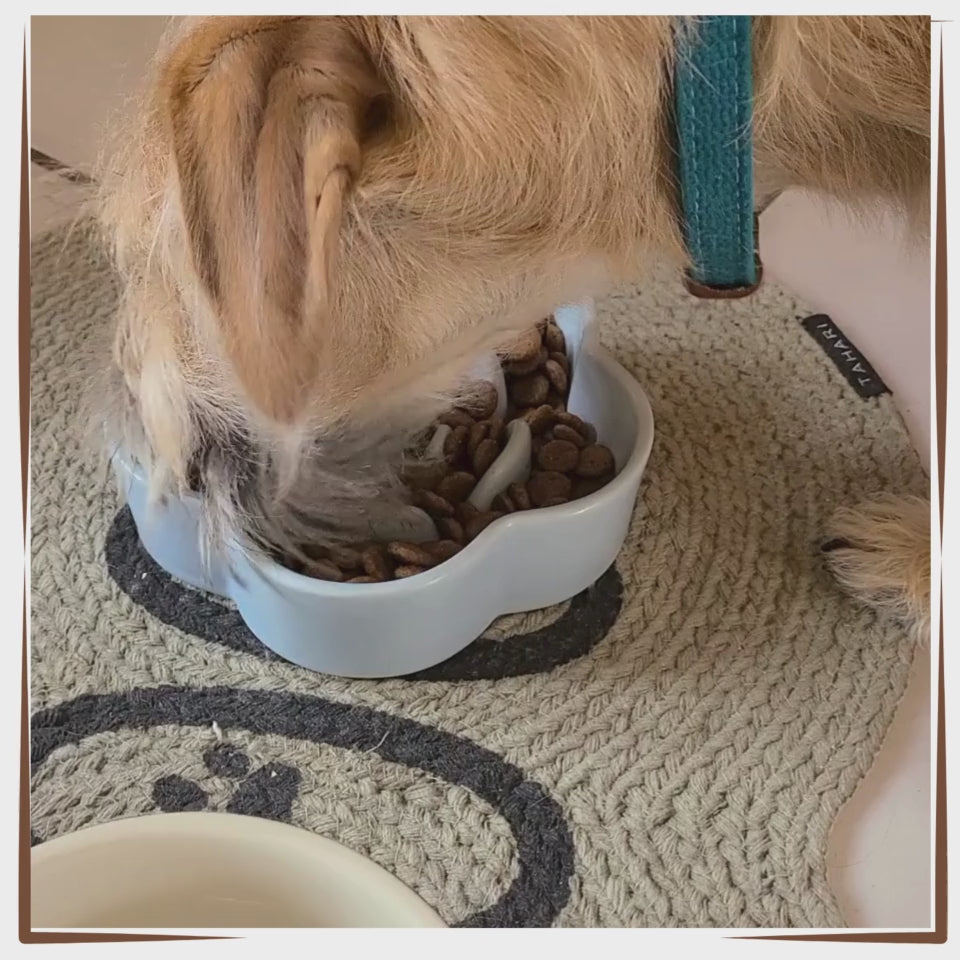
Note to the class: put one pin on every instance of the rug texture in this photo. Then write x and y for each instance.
(670, 748)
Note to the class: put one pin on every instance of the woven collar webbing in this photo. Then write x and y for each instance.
(713, 90)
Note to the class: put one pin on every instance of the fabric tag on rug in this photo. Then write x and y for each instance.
(847, 358)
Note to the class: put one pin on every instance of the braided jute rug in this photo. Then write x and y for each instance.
(670, 748)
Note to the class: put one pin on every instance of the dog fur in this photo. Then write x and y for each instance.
(320, 222)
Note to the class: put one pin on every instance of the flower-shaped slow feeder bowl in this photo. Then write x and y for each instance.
(523, 561)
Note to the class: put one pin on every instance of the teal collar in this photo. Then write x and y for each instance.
(713, 96)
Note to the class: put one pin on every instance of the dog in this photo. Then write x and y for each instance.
(319, 223)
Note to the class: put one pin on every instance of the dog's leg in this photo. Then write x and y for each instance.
(879, 551)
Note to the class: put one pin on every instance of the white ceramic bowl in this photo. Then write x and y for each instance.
(524, 561)
(212, 870)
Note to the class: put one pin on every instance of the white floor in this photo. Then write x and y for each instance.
(876, 286)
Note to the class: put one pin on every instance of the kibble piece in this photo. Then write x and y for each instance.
(475, 525)
(411, 554)
(530, 391)
(323, 570)
(562, 432)
(557, 376)
(484, 455)
(466, 511)
(584, 487)
(596, 460)
(455, 443)
(433, 503)
(557, 403)
(562, 360)
(364, 580)
(539, 418)
(376, 564)
(548, 485)
(423, 476)
(525, 346)
(477, 433)
(481, 401)
(519, 368)
(559, 455)
(456, 486)
(589, 433)
(456, 418)
(451, 529)
(442, 550)
(495, 428)
(519, 496)
(555, 502)
(553, 339)
(407, 570)
(573, 421)
(346, 558)
(503, 503)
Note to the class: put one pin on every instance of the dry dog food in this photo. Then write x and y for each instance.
(567, 463)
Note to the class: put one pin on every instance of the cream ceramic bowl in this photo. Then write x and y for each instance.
(212, 871)
(524, 561)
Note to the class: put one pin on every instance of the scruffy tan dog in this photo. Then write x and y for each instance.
(319, 222)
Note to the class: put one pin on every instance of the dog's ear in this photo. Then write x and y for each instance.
(265, 117)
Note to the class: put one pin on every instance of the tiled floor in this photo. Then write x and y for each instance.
(879, 856)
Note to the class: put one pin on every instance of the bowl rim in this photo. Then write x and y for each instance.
(185, 826)
(290, 581)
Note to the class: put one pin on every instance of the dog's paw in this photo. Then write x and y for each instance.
(879, 551)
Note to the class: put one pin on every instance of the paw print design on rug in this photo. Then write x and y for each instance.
(269, 791)
(478, 838)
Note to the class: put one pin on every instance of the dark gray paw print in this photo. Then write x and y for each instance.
(267, 792)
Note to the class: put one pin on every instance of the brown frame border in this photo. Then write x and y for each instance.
(27, 936)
